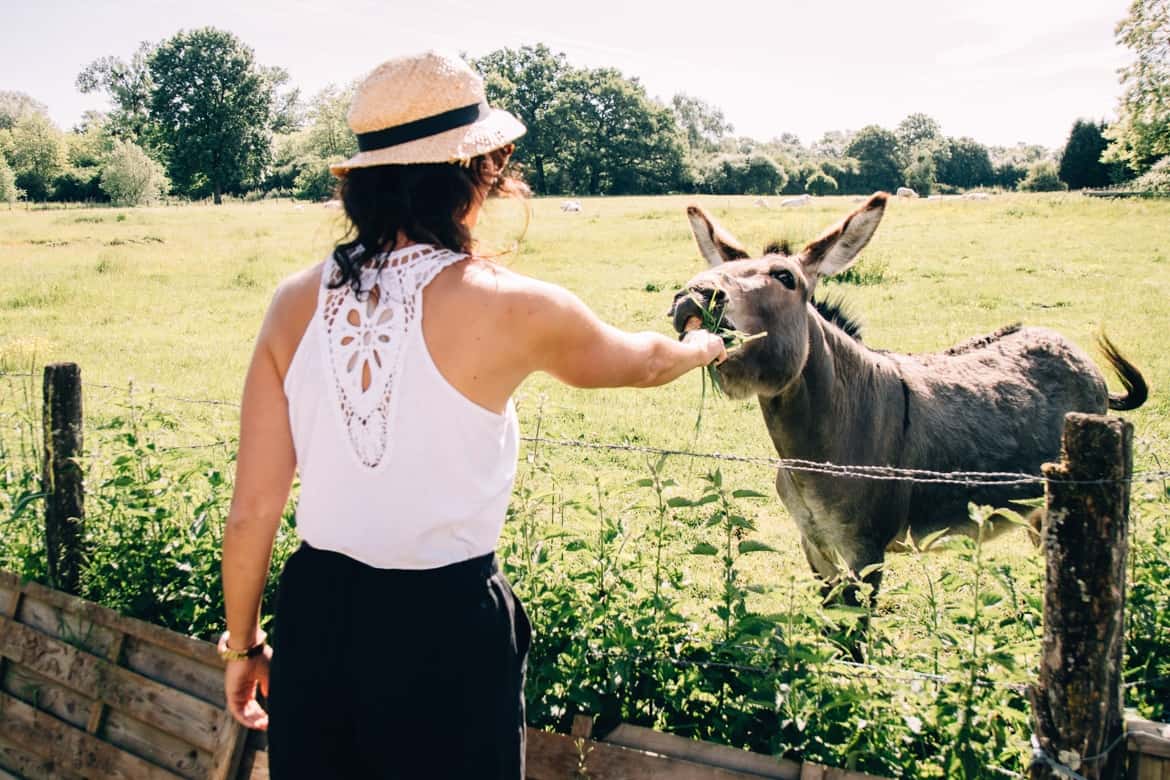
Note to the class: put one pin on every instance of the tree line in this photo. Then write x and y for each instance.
(197, 116)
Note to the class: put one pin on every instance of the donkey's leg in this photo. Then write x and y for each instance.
(821, 565)
(829, 572)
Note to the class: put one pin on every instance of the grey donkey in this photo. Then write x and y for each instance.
(994, 403)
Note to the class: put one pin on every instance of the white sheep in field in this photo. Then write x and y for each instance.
(788, 203)
(571, 207)
(761, 203)
(906, 192)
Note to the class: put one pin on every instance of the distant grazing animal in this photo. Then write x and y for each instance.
(977, 196)
(571, 206)
(995, 403)
(761, 203)
(797, 201)
(906, 192)
(332, 204)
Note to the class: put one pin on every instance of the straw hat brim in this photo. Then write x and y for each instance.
(459, 144)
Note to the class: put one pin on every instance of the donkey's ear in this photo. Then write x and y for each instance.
(715, 244)
(838, 247)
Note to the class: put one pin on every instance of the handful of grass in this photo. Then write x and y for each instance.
(733, 340)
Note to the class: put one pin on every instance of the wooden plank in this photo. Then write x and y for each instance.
(811, 771)
(164, 708)
(232, 738)
(11, 601)
(183, 645)
(98, 711)
(1148, 737)
(1146, 769)
(46, 695)
(71, 629)
(706, 753)
(70, 748)
(29, 766)
(254, 766)
(582, 726)
(203, 681)
(556, 756)
(157, 747)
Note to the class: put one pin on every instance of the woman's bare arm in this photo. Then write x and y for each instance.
(569, 341)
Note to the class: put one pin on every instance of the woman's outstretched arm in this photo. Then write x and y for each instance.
(573, 344)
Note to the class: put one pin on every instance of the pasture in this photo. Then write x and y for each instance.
(644, 604)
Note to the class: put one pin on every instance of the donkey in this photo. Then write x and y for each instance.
(995, 403)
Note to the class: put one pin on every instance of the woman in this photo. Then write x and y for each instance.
(400, 646)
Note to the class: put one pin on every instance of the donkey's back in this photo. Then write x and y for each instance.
(997, 403)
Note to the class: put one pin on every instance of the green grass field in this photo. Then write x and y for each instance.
(171, 298)
(160, 308)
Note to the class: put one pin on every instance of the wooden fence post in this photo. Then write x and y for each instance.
(61, 477)
(1076, 703)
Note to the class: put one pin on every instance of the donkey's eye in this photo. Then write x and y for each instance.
(785, 277)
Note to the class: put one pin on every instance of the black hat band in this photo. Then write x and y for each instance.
(422, 128)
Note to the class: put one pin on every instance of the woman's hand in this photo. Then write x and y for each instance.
(241, 680)
(711, 345)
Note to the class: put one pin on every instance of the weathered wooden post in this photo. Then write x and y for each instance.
(61, 477)
(1076, 704)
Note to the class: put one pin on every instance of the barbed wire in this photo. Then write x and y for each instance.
(888, 473)
(847, 471)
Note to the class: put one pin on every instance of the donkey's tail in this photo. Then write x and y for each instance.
(1136, 389)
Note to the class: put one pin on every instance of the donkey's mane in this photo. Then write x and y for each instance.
(780, 246)
(979, 342)
(835, 310)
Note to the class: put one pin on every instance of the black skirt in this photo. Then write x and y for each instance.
(395, 673)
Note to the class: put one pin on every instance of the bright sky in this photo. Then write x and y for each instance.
(1001, 71)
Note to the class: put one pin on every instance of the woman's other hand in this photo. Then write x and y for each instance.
(241, 680)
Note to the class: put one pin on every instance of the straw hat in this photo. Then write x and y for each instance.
(425, 108)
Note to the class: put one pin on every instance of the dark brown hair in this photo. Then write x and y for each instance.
(427, 202)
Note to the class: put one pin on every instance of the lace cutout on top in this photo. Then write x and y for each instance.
(366, 339)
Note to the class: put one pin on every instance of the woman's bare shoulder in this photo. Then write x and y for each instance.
(511, 285)
(291, 308)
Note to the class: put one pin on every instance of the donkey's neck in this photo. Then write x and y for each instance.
(830, 411)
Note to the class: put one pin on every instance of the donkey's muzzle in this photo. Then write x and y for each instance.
(707, 305)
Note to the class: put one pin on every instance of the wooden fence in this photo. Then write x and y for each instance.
(88, 693)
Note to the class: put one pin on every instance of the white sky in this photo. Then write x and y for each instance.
(1001, 71)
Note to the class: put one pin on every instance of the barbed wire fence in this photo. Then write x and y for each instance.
(850, 471)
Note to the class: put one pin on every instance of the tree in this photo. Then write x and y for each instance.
(1141, 134)
(917, 133)
(130, 177)
(616, 139)
(129, 86)
(820, 183)
(1080, 162)
(964, 162)
(1043, 177)
(701, 123)
(920, 175)
(213, 107)
(528, 82)
(9, 193)
(876, 152)
(329, 133)
(744, 174)
(38, 155)
(14, 106)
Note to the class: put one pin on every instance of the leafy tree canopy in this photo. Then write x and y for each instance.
(1141, 134)
(1081, 165)
(212, 106)
(876, 152)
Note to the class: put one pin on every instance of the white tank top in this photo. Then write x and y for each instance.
(398, 469)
